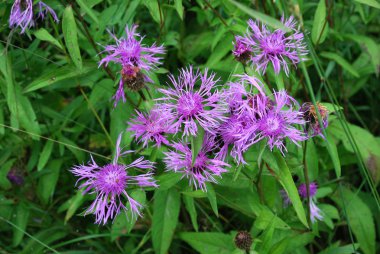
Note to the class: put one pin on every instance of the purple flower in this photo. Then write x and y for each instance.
(22, 15)
(190, 106)
(285, 198)
(110, 182)
(275, 47)
(315, 212)
(274, 120)
(313, 127)
(302, 190)
(151, 127)
(205, 168)
(135, 59)
(15, 177)
(44, 9)
(241, 51)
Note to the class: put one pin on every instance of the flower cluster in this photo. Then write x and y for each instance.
(22, 14)
(201, 121)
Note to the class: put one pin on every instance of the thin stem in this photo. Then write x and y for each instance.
(307, 183)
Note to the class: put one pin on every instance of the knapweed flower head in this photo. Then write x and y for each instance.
(276, 47)
(15, 176)
(302, 190)
(189, 105)
(151, 127)
(110, 183)
(312, 127)
(135, 58)
(22, 14)
(275, 120)
(205, 168)
(315, 212)
(243, 240)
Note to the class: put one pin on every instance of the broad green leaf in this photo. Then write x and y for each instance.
(48, 181)
(346, 249)
(125, 221)
(154, 10)
(319, 23)
(4, 169)
(211, 195)
(43, 35)
(190, 207)
(311, 160)
(196, 143)
(278, 164)
(260, 16)
(221, 50)
(333, 151)
(45, 155)
(372, 3)
(83, 5)
(70, 34)
(165, 218)
(56, 75)
(73, 204)
(209, 243)
(179, 8)
(342, 62)
(20, 219)
(360, 219)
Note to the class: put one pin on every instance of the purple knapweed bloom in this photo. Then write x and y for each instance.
(242, 51)
(44, 9)
(110, 182)
(274, 120)
(151, 126)
(315, 212)
(190, 106)
(276, 46)
(21, 15)
(135, 59)
(312, 127)
(205, 168)
(15, 176)
(312, 190)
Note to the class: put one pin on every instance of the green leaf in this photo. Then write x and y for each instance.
(45, 155)
(125, 221)
(179, 8)
(319, 23)
(70, 34)
(56, 75)
(43, 35)
(165, 218)
(168, 180)
(212, 198)
(20, 220)
(154, 10)
(48, 181)
(312, 160)
(372, 3)
(190, 207)
(346, 249)
(274, 23)
(196, 143)
(4, 169)
(74, 203)
(278, 164)
(209, 243)
(360, 220)
(88, 10)
(342, 62)
(43, 239)
(333, 151)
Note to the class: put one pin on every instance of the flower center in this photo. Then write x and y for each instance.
(273, 44)
(190, 104)
(272, 125)
(111, 179)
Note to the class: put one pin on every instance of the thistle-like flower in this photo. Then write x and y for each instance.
(110, 182)
(151, 127)
(274, 120)
(242, 51)
(312, 127)
(135, 59)
(190, 106)
(205, 168)
(302, 190)
(21, 15)
(276, 46)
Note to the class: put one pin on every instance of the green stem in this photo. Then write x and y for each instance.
(307, 182)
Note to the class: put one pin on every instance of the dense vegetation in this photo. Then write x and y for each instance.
(57, 108)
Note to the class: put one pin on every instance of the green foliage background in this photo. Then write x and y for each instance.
(55, 108)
